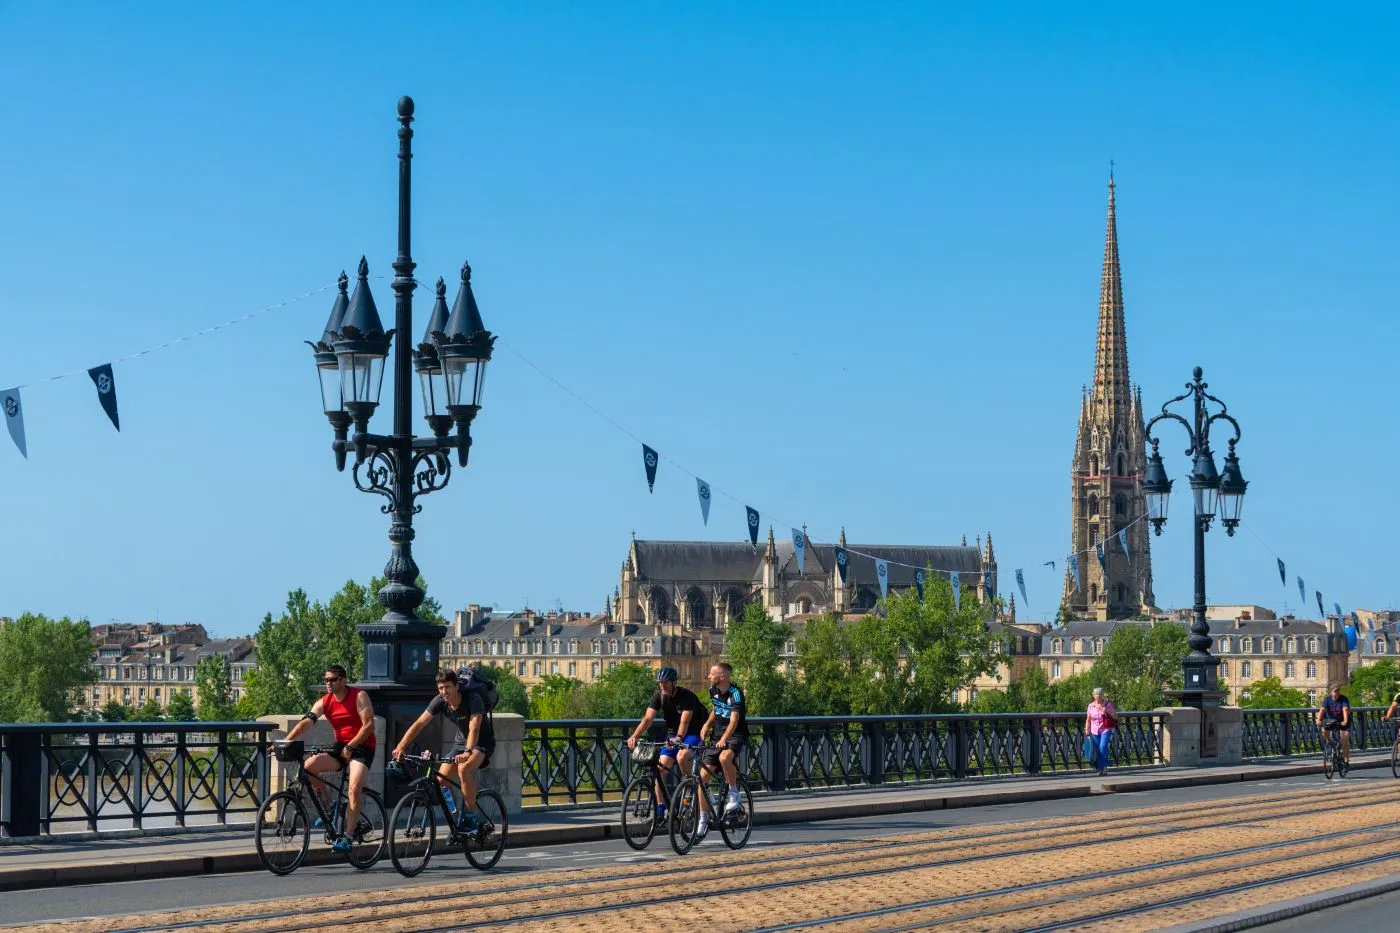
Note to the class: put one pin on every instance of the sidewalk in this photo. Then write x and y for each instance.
(87, 860)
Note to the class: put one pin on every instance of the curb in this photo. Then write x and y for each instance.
(525, 837)
(1296, 907)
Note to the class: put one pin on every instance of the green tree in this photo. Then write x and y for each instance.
(995, 701)
(290, 659)
(1270, 693)
(213, 681)
(44, 666)
(556, 697)
(1374, 685)
(149, 711)
(1140, 662)
(181, 708)
(115, 710)
(1074, 693)
(512, 696)
(752, 644)
(1034, 691)
(827, 659)
(945, 646)
(620, 693)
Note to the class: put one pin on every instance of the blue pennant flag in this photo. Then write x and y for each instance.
(1123, 540)
(14, 418)
(106, 391)
(1321, 613)
(1074, 569)
(882, 572)
(957, 590)
(702, 489)
(753, 525)
(919, 583)
(1282, 574)
(1351, 638)
(1302, 590)
(649, 460)
(841, 561)
(1103, 561)
(1338, 608)
(1021, 582)
(1356, 623)
(799, 548)
(989, 580)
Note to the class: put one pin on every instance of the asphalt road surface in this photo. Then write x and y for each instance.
(114, 899)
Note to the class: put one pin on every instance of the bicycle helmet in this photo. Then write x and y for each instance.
(667, 673)
(395, 770)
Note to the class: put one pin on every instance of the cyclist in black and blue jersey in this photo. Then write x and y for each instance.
(729, 728)
(1334, 715)
(683, 714)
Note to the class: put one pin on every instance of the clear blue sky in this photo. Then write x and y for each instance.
(840, 260)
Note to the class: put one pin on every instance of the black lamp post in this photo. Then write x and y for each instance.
(1210, 493)
(401, 649)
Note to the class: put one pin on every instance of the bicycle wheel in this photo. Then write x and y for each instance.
(1395, 758)
(283, 833)
(412, 831)
(685, 815)
(736, 828)
(367, 839)
(639, 812)
(1329, 763)
(484, 847)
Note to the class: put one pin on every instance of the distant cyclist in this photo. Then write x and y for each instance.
(729, 728)
(1335, 715)
(351, 716)
(476, 739)
(683, 714)
(1394, 707)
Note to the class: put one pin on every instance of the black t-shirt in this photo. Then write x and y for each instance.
(1332, 709)
(677, 703)
(461, 715)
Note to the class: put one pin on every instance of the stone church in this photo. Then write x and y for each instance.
(699, 585)
(1106, 473)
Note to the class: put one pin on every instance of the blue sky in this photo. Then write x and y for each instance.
(840, 260)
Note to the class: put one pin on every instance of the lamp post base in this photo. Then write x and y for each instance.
(401, 664)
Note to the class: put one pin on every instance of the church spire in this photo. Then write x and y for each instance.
(1111, 389)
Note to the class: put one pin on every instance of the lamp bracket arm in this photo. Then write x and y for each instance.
(381, 475)
(446, 442)
(1222, 416)
(1171, 416)
(1190, 391)
(431, 470)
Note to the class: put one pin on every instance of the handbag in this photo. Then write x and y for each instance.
(646, 753)
(1110, 721)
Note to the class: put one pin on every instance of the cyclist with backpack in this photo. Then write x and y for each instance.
(466, 701)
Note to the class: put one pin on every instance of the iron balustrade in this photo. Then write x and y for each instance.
(1278, 733)
(75, 777)
(571, 762)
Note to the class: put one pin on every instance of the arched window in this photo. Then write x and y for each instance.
(1381, 646)
(554, 646)
(1093, 504)
(1122, 471)
(1098, 646)
(1122, 592)
(1289, 645)
(573, 646)
(630, 647)
(1057, 646)
(1268, 646)
(1074, 647)
(1247, 644)
(1094, 465)
(1093, 592)
(612, 647)
(595, 646)
(1312, 644)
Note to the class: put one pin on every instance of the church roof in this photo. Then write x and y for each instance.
(725, 561)
(698, 560)
(861, 569)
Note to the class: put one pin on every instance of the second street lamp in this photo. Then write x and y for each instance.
(1209, 492)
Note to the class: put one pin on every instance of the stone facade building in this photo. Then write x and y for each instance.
(151, 661)
(1106, 472)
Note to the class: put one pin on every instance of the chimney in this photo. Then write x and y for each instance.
(603, 628)
(1239, 622)
(522, 625)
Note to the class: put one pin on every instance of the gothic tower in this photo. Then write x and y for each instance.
(1106, 473)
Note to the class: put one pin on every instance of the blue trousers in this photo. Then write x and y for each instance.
(1099, 747)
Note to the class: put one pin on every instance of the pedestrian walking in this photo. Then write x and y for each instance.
(1100, 719)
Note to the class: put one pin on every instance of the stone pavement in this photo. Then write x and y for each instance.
(86, 858)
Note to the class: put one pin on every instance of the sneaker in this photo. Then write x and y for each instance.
(733, 803)
(341, 845)
(660, 813)
(702, 828)
(466, 825)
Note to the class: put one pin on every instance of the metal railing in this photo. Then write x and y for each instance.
(1273, 733)
(585, 761)
(75, 777)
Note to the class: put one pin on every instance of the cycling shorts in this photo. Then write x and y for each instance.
(709, 758)
(460, 746)
(1330, 724)
(362, 754)
(689, 741)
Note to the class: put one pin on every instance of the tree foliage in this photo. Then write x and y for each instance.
(44, 665)
(509, 688)
(115, 710)
(1139, 662)
(753, 644)
(1270, 693)
(1374, 685)
(181, 708)
(213, 681)
(557, 697)
(620, 693)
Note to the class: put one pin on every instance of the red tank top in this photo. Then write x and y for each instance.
(344, 718)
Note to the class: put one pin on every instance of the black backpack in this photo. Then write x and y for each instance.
(470, 680)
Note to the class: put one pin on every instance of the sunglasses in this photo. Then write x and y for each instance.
(330, 680)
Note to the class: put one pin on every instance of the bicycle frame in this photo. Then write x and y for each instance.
(432, 776)
(341, 787)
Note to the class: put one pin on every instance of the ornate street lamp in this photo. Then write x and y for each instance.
(401, 649)
(1210, 492)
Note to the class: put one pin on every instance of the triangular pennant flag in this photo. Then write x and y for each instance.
(1103, 561)
(1321, 613)
(989, 579)
(1282, 574)
(882, 572)
(1354, 620)
(1302, 590)
(1338, 608)
(106, 391)
(841, 559)
(919, 584)
(702, 489)
(799, 548)
(14, 418)
(957, 590)
(649, 460)
(1351, 638)
(753, 525)
(1050, 564)
(1073, 560)
(1123, 540)
(1021, 582)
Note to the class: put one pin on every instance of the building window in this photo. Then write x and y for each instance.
(1093, 535)
(1225, 670)
(157, 693)
(1098, 646)
(1312, 697)
(1121, 470)
(536, 668)
(1268, 668)
(1312, 670)
(596, 668)
(1247, 645)
(1268, 644)
(1290, 646)
(1057, 646)
(520, 669)
(612, 665)
(1312, 644)
(1054, 670)
(554, 667)
(595, 646)
(1290, 670)
(1244, 669)
(573, 668)
(612, 647)
(573, 646)
(1380, 645)
(495, 648)
(1074, 647)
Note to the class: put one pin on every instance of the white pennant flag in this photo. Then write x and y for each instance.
(957, 590)
(882, 572)
(14, 418)
(702, 489)
(799, 547)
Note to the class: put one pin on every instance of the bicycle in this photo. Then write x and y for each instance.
(685, 809)
(639, 803)
(283, 830)
(1395, 754)
(413, 824)
(1332, 759)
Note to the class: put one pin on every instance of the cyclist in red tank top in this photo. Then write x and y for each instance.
(351, 718)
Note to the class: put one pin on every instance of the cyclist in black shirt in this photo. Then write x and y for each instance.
(476, 739)
(1335, 713)
(683, 713)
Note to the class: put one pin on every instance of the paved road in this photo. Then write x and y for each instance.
(105, 900)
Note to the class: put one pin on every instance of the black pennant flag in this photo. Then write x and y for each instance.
(753, 525)
(1321, 613)
(841, 562)
(1282, 575)
(649, 459)
(106, 391)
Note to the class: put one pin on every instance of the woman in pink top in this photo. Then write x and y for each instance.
(1099, 720)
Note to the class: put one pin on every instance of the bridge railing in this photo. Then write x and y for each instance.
(74, 777)
(1271, 733)
(586, 761)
